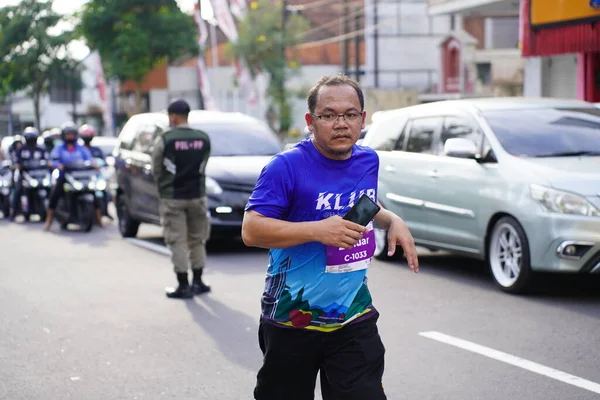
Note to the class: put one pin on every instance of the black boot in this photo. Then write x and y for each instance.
(199, 287)
(183, 291)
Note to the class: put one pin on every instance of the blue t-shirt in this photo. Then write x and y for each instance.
(311, 285)
(64, 155)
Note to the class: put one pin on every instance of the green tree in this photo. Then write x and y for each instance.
(135, 36)
(261, 42)
(30, 55)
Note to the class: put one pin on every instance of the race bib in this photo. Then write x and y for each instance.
(340, 260)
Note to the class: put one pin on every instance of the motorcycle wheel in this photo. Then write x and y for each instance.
(6, 208)
(86, 213)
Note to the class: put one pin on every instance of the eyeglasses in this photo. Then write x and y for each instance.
(348, 117)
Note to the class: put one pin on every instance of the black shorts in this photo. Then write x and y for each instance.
(350, 361)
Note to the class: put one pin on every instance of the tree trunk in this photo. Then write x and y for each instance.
(36, 109)
(126, 106)
(138, 98)
(137, 102)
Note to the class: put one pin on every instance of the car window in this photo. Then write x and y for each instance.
(144, 140)
(128, 133)
(383, 135)
(402, 139)
(547, 132)
(459, 127)
(240, 139)
(422, 133)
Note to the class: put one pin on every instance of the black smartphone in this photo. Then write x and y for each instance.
(363, 211)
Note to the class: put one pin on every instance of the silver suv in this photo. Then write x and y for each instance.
(512, 181)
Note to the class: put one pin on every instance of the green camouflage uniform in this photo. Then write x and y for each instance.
(178, 163)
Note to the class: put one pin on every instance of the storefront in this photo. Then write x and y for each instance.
(561, 40)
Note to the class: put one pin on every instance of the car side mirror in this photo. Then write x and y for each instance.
(460, 148)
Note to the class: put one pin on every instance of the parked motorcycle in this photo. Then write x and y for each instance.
(5, 188)
(82, 181)
(35, 189)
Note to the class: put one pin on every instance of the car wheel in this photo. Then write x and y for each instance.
(381, 246)
(508, 256)
(128, 227)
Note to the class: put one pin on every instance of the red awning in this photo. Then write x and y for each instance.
(577, 38)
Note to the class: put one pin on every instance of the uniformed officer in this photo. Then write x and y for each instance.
(28, 156)
(178, 163)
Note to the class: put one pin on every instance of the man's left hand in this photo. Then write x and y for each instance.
(398, 234)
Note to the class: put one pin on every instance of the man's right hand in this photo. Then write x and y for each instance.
(338, 232)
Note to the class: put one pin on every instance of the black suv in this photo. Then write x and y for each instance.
(240, 147)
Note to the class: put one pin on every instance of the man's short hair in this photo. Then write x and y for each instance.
(179, 107)
(333, 80)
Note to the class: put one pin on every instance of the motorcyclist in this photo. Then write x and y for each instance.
(87, 134)
(12, 154)
(67, 153)
(14, 146)
(27, 153)
(50, 136)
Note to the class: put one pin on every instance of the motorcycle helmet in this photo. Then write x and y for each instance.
(87, 133)
(31, 135)
(50, 137)
(17, 142)
(69, 133)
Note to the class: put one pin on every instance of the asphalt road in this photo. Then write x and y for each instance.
(84, 316)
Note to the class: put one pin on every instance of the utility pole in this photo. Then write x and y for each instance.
(11, 122)
(357, 45)
(376, 44)
(284, 17)
(73, 94)
(200, 54)
(345, 42)
(113, 94)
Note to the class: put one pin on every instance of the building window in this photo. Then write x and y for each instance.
(484, 73)
(502, 33)
(61, 91)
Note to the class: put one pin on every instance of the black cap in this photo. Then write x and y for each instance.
(180, 107)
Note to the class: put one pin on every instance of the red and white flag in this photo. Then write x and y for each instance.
(225, 19)
(203, 81)
(238, 8)
(105, 96)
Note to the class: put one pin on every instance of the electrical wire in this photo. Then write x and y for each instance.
(339, 38)
(335, 22)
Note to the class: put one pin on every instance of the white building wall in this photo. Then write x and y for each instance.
(159, 99)
(228, 97)
(533, 77)
(409, 55)
(554, 76)
(54, 114)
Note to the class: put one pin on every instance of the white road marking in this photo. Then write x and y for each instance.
(157, 248)
(514, 360)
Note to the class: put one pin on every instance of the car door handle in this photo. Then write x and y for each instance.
(390, 168)
(433, 174)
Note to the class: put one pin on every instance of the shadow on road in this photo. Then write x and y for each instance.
(577, 293)
(98, 237)
(216, 246)
(233, 331)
